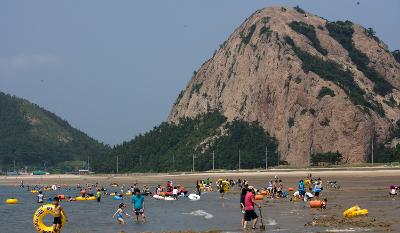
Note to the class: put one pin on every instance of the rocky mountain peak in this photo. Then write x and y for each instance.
(317, 86)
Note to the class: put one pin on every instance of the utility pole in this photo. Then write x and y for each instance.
(372, 150)
(88, 167)
(173, 161)
(193, 163)
(266, 157)
(278, 157)
(117, 164)
(239, 159)
(213, 160)
(14, 165)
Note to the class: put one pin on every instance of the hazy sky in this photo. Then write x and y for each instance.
(114, 68)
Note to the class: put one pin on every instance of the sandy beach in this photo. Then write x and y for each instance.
(188, 178)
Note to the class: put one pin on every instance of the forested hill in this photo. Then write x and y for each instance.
(171, 147)
(35, 138)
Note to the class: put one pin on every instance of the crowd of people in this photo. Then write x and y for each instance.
(307, 189)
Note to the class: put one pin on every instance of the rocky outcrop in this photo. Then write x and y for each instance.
(257, 75)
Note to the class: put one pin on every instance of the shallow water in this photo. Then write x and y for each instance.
(212, 213)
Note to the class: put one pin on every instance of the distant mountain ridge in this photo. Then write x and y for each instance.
(316, 86)
(35, 137)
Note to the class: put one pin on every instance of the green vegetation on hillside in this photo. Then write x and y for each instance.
(332, 71)
(386, 154)
(298, 9)
(325, 91)
(308, 31)
(35, 138)
(326, 158)
(343, 33)
(396, 55)
(171, 147)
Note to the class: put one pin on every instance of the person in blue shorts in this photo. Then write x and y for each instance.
(138, 206)
(301, 189)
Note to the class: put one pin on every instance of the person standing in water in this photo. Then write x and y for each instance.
(250, 214)
(242, 203)
(138, 206)
(58, 211)
(120, 211)
(98, 195)
(40, 197)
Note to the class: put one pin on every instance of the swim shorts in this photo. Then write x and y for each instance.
(57, 220)
(250, 215)
(139, 211)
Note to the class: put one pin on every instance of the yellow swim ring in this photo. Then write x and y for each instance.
(226, 186)
(128, 193)
(85, 198)
(12, 201)
(39, 215)
(34, 191)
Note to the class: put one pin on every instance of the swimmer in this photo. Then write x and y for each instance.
(323, 203)
(392, 190)
(175, 192)
(250, 214)
(120, 211)
(58, 210)
(138, 206)
(40, 197)
(301, 189)
(98, 195)
(242, 204)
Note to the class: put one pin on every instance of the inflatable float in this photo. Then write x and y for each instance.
(259, 197)
(61, 197)
(194, 197)
(263, 192)
(158, 197)
(170, 199)
(85, 198)
(316, 204)
(34, 191)
(12, 201)
(290, 189)
(355, 211)
(117, 198)
(40, 213)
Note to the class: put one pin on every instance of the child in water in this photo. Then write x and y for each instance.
(120, 211)
(58, 211)
(40, 197)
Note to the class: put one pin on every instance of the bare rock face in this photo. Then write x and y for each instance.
(257, 76)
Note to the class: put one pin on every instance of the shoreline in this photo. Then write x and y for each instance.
(148, 177)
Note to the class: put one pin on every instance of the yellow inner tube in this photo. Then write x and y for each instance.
(351, 210)
(226, 186)
(127, 193)
(357, 213)
(34, 191)
(12, 201)
(85, 198)
(39, 215)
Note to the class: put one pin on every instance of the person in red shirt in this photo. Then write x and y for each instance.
(250, 214)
